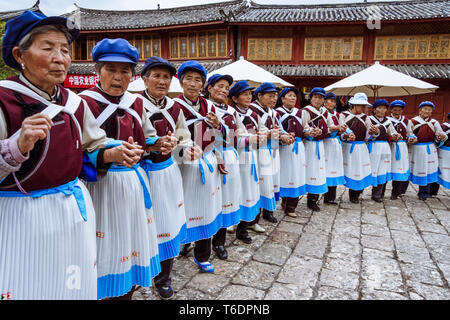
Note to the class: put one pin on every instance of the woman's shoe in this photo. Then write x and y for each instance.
(292, 214)
(205, 266)
(257, 228)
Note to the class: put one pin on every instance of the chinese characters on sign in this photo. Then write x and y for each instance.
(84, 80)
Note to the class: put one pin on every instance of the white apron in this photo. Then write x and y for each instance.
(357, 170)
(276, 172)
(127, 248)
(380, 162)
(265, 171)
(231, 188)
(202, 197)
(166, 190)
(250, 194)
(334, 162)
(292, 177)
(48, 244)
(399, 161)
(316, 176)
(444, 167)
(424, 163)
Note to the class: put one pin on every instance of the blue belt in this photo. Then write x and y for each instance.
(353, 143)
(297, 141)
(202, 171)
(398, 154)
(317, 145)
(148, 165)
(223, 158)
(268, 146)
(68, 189)
(335, 136)
(425, 144)
(371, 142)
(147, 198)
(253, 171)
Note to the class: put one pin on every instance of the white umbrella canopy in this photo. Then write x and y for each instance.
(138, 85)
(380, 81)
(255, 75)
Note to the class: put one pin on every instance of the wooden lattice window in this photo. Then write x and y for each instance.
(331, 48)
(436, 46)
(205, 44)
(269, 49)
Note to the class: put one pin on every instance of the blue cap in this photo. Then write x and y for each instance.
(238, 88)
(115, 50)
(266, 87)
(317, 90)
(330, 95)
(380, 102)
(17, 28)
(426, 103)
(192, 65)
(448, 116)
(398, 103)
(158, 62)
(286, 90)
(216, 77)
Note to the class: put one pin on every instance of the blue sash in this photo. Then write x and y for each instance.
(398, 155)
(371, 142)
(425, 144)
(200, 165)
(68, 189)
(353, 143)
(297, 141)
(223, 158)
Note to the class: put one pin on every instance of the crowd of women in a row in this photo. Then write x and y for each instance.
(100, 191)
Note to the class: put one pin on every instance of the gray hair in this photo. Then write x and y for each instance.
(27, 41)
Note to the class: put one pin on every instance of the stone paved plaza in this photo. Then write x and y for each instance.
(391, 250)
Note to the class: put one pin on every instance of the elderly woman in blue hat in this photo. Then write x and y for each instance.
(317, 119)
(379, 148)
(217, 90)
(424, 162)
(292, 156)
(357, 170)
(399, 149)
(127, 247)
(334, 161)
(444, 157)
(47, 216)
(162, 168)
(241, 98)
(201, 177)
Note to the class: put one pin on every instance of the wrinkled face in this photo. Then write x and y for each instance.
(219, 91)
(268, 99)
(358, 108)
(192, 84)
(158, 82)
(397, 111)
(425, 112)
(317, 100)
(380, 111)
(47, 60)
(115, 77)
(330, 104)
(244, 99)
(289, 99)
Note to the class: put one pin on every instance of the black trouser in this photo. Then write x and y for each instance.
(354, 194)
(434, 188)
(311, 199)
(331, 194)
(241, 230)
(202, 250)
(289, 204)
(220, 237)
(399, 187)
(163, 278)
(378, 191)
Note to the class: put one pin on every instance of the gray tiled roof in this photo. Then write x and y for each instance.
(91, 19)
(421, 71)
(7, 15)
(397, 10)
(88, 68)
(249, 11)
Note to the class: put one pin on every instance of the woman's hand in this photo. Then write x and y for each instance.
(34, 128)
(193, 153)
(212, 118)
(127, 154)
(165, 144)
(374, 130)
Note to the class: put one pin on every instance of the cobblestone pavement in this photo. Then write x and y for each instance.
(391, 250)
